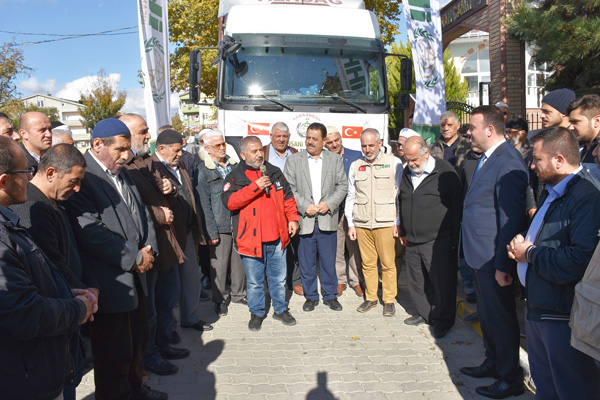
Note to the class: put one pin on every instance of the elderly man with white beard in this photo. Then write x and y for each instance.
(430, 211)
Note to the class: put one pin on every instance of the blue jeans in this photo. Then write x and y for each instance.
(467, 278)
(273, 263)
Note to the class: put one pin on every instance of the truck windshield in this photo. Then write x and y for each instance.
(304, 74)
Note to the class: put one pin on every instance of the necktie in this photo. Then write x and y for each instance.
(479, 165)
(126, 194)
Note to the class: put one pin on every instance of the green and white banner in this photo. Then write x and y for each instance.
(153, 21)
(425, 35)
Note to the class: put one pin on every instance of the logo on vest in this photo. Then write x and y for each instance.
(226, 186)
(362, 168)
(384, 166)
(278, 185)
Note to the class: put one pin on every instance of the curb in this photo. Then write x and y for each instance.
(463, 309)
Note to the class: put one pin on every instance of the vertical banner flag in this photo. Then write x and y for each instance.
(425, 35)
(153, 22)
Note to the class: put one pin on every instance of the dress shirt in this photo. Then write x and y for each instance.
(223, 170)
(315, 168)
(417, 179)
(276, 159)
(351, 196)
(174, 170)
(488, 153)
(554, 192)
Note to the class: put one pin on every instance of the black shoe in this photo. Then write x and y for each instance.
(204, 296)
(389, 309)
(310, 304)
(471, 298)
(366, 306)
(221, 309)
(334, 304)
(175, 338)
(243, 301)
(482, 371)
(285, 317)
(163, 367)
(173, 353)
(474, 317)
(501, 389)
(206, 282)
(255, 322)
(414, 320)
(200, 326)
(438, 332)
(145, 393)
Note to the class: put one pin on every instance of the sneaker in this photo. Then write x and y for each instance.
(334, 304)
(309, 305)
(414, 320)
(366, 306)
(221, 309)
(255, 322)
(389, 309)
(285, 317)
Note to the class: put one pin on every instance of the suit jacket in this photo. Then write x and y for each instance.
(110, 236)
(334, 187)
(494, 208)
(144, 176)
(31, 162)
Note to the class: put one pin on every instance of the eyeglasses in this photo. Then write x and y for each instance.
(219, 146)
(31, 171)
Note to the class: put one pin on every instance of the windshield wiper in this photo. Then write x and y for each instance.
(336, 96)
(264, 96)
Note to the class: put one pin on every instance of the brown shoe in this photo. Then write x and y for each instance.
(341, 287)
(298, 290)
(359, 291)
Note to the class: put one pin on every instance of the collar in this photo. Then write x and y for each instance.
(561, 186)
(10, 215)
(272, 149)
(488, 153)
(165, 163)
(428, 167)
(103, 167)
(35, 156)
(318, 158)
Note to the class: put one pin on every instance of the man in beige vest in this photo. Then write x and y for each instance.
(372, 216)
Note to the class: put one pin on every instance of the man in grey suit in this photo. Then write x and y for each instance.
(117, 241)
(319, 183)
(493, 210)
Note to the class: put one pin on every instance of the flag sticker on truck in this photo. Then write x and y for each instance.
(258, 128)
(351, 132)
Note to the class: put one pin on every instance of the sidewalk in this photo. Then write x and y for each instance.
(327, 355)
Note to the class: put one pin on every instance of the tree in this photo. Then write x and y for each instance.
(194, 24)
(12, 65)
(564, 34)
(457, 88)
(101, 100)
(177, 124)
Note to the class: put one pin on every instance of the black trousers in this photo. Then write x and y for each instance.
(293, 265)
(431, 274)
(118, 344)
(498, 318)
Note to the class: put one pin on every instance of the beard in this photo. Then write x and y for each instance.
(141, 150)
(418, 170)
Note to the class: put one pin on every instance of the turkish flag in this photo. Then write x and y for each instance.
(258, 128)
(351, 132)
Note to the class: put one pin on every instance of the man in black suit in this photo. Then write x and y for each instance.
(116, 239)
(36, 130)
(496, 195)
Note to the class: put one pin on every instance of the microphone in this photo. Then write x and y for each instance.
(263, 171)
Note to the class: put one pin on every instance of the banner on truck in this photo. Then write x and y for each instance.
(425, 34)
(153, 22)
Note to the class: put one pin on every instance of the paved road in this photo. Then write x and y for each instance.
(327, 355)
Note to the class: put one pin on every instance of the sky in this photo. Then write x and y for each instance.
(65, 68)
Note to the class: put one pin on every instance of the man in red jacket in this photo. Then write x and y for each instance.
(264, 218)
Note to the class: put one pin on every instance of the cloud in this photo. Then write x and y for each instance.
(135, 102)
(72, 90)
(34, 86)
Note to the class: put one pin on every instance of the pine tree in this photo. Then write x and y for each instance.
(565, 34)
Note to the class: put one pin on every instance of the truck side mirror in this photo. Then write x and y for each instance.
(403, 101)
(406, 75)
(195, 75)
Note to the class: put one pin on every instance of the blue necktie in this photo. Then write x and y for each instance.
(479, 165)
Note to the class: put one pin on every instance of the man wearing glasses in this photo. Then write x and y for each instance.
(224, 260)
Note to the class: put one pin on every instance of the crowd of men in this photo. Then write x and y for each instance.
(115, 237)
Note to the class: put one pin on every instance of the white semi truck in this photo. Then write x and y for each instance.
(299, 62)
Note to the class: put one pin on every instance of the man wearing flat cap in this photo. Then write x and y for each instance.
(166, 163)
(117, 241)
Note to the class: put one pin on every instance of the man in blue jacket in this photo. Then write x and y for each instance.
(38, 310)
(553, 257)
